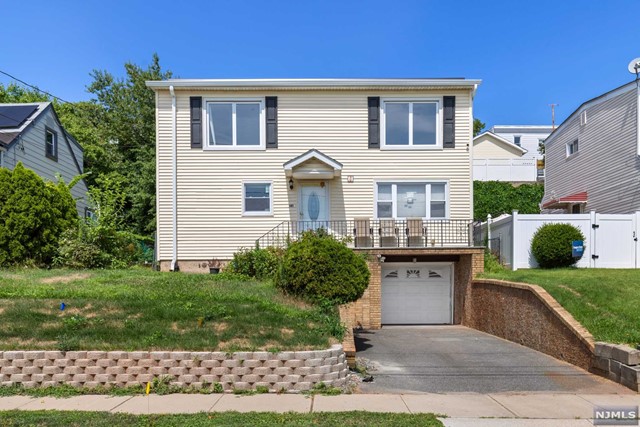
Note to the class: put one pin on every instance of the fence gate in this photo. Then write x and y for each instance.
(614, 241)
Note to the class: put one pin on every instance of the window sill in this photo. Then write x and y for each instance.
(411, 148)
(257, 214)
(49, 156)
(236, 148)
(571, 156)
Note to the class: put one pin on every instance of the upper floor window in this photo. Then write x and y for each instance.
(235, 124)
(51, 144)
(411, 200)
(572, 148)
(516, 140)
(411, 124)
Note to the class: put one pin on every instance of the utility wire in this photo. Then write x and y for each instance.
(35, 87)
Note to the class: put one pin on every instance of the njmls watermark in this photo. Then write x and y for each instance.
(615, 416)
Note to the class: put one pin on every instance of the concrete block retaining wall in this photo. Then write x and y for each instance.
(291, 371)
(619, 363)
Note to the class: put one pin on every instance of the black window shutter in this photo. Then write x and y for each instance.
(272, 121)
(196, 121)
(449, 122)
(374, 121)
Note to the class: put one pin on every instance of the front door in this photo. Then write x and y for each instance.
(314, 206)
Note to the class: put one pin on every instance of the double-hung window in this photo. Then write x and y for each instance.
(411, 200)
(51, 144)
(572, 148)
(411, 124)
(256, 198)
(235, 125)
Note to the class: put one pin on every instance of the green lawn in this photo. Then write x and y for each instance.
(139, 309)
(605, 301)
(99, 419)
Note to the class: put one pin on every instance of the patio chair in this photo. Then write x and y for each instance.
(415, 232)
(362, 233)
(388, 233)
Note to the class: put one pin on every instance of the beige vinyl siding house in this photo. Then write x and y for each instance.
(592, 158)
(349, 156)
(27, 143)
(490, 146)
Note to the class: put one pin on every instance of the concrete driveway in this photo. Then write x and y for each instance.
(445, 359)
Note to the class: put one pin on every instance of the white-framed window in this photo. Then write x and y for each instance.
(583, 118)
(257, 198)
(572, 148)
(401, 200)
(235, 124)
(51, 144)
(516, 140)
(411, 123)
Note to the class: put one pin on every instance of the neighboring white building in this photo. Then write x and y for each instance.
(528, 137)
(593, 157)
(496, 159)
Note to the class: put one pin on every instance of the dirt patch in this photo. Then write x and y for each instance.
(235, 344)
(570, 290)
(220, 327)
(29, 344)
(11, 276)
(286, 332)
(289, 300)
(65, 279)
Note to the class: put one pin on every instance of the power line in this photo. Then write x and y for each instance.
(34, 87)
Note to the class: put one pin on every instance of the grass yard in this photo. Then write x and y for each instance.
(605, 301)
(99, 419)
(139, 309)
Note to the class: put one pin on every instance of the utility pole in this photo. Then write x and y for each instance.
(553, 115)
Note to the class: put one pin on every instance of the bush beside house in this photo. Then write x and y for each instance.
(33, 215)
(552, 245)
(497, 198)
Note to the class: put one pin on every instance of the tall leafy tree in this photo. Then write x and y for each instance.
(128, 125)
(478, 127)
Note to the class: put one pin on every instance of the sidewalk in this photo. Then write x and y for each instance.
(461, 409)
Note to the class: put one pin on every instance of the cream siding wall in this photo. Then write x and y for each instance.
(487, 148)
(30, 150)
(606, 165)
(210, 221)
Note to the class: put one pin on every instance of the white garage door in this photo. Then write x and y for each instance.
(417, 293)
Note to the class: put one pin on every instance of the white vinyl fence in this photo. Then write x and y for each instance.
(610, 239)
(513, 170)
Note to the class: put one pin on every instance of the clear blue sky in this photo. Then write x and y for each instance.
(528, 53)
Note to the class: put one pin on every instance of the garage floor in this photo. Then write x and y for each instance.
(439, 359)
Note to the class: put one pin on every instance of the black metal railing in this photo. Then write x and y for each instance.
(377, 233)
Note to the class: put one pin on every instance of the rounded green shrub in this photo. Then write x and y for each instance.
(318, 267)
(258, 263)
(551, 245)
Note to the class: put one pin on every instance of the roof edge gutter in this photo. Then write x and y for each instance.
(311, 83)
(638, 116)
(174, 171)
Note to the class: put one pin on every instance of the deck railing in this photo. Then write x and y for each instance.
(378, 233)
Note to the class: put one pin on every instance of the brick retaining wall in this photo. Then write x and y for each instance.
(292, 371)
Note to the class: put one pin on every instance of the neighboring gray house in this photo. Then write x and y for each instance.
(32, 134)
(592, 158)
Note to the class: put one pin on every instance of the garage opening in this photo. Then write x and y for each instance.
(417, 293)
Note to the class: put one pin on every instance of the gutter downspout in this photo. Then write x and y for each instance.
(174, 176)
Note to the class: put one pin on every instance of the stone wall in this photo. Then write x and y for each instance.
(290, 371)
(619, 363)
(528, 315)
